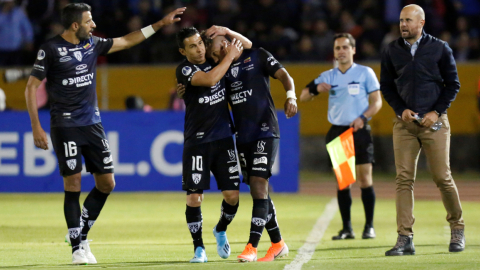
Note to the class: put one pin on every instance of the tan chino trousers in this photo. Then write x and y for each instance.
(408, 140)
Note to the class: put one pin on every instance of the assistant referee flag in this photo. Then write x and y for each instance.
(342, 154)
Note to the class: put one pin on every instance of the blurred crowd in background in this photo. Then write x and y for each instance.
(292, 30)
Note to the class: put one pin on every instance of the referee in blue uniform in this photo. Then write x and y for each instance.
(353, 99)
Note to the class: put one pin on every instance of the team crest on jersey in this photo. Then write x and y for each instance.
(72, 164)
(78, 55)
(74, 232)
(194, 226)
(196, 177)
(259, 221)
(62, 51)
(264, 127)
(234, 71)
(186, 71)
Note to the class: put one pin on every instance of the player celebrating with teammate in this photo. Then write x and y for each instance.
(68, 61)
(258, 134)
(353, 99)
(209, 145)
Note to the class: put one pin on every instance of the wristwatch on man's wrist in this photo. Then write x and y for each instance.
(438, 114)
(363, 118)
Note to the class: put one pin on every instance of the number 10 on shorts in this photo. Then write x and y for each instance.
(70, 149)
(197, 163)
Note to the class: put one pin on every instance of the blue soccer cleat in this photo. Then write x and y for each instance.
(200, 256)
(223, 248)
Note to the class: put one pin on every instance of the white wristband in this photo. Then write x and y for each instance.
(148, 31)
(291, 94)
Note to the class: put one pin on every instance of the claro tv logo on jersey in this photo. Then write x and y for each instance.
(213, 99)
(79, 81)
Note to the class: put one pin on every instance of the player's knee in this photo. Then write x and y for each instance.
(73, 182)
(194, 200)
(107, 187)
(231, 197)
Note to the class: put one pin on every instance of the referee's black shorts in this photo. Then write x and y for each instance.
(362, 140)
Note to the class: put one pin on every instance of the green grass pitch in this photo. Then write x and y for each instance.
(148, 231)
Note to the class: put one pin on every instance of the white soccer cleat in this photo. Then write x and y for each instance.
(200, 256)
(79, 257)
(88, 253)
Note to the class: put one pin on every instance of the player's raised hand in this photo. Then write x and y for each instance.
(40, 138)
(170, 18)
(290, 107)
(216, 30)
(234, 49)
(323, 87)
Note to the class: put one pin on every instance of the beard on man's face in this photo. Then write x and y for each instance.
(82, 33)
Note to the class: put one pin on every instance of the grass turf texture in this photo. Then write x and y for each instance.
(148, 231)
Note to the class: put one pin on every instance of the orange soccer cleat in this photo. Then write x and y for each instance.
(248, 255)
(277, 250)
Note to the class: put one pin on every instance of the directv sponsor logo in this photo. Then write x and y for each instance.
(235, 177)
(108, 167)
(259, 169)
(213, 99)
(38, 67)
(260, 160)
(79, 81)
(240, 96)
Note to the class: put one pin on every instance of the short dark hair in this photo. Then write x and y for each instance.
(347, 36)
(73, 13)
(184, 33)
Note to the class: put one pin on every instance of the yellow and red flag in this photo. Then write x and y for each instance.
(342, 154)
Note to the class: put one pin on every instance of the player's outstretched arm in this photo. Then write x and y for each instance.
(39, 135)
(290, 105)
(216, 30)
(216, 74)
(139, 36)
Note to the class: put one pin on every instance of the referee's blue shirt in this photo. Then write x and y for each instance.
(348, 97)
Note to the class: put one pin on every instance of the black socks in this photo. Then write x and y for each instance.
(259, 219)
(272, 225)
(194, 222)
(226, 216)
(368, 199)
(345, 203)
(91, 209)
(71, 209)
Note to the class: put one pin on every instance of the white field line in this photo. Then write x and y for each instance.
(305, 253)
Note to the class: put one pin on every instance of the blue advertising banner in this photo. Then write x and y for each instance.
(146, 150)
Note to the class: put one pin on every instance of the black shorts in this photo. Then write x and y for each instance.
(219, 157)
(257, 157)
(362, 140)
(70, 143)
